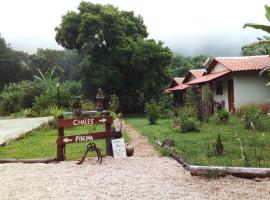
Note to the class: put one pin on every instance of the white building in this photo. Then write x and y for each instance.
(235, 81)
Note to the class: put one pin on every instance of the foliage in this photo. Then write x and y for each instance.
(256, 49)
(55, 111)
(223, 116)
(180, 65)
(36, 95)
(188, 120)
(117, 56)
(88, 105)
(165, 151)
(113, 103)
(207, 102)
(251, 117)
(166, 104)
(152, 111)
(11, 69)
(193, 147)
(261, 26)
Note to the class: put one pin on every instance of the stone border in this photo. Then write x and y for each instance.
(242, 172)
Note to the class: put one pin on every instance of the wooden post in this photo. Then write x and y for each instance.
(60, 148)
(108, 126)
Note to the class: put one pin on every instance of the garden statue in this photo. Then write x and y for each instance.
(100, 99)
(76, 106)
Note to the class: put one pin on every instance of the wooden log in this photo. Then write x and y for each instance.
(246, 172)
(243, 172)
(28, 160)
(207, 170)
(180, 160)
(176, 157)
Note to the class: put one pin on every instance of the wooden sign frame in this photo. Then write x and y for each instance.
(62, 140)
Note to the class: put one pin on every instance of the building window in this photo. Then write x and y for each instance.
(219, 88)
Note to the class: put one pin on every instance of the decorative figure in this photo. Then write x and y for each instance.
(100, 99)
(91, 147)
(76, 106)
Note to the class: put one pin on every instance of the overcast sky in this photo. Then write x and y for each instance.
(189, 27)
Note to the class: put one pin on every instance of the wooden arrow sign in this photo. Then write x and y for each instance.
(84, 137)
(68, 123)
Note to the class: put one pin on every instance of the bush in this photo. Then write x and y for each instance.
(251, 116)
(152, 111)
(10, 99)
(88, 105)
(223, 116)
(166, 104)
(113, 103)
(188, 120)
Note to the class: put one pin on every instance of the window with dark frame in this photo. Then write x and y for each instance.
(219, 88)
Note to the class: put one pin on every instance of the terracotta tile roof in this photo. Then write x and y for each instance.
(243, 63)
(195, 72)
(208, 77)
(178, 86)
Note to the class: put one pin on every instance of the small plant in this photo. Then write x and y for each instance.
(188, 120)
(218, 146)
(55, 111)
(152, 111)
(165, 151)
(252, 117)
(223, 116)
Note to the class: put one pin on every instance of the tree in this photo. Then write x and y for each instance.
(117, 55)
(180, 65)
(10, 66)
(262, 27)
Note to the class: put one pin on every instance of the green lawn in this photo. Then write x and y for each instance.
(194, 146)
(41, 143)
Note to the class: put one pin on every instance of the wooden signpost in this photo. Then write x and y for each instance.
(108, 134)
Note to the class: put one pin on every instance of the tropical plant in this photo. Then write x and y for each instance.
(223, 116)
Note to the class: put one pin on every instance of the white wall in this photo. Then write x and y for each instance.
(249, 88)
(219, 68)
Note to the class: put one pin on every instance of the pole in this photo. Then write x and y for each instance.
(60, 147)
(58, 97)
(108, 126)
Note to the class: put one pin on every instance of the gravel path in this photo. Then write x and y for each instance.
(143, 176)
(14, 128)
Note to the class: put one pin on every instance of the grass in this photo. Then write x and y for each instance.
(196, 147)
(41, 143)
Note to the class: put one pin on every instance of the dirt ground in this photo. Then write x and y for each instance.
(146, 175)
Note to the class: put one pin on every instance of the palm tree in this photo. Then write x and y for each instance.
(262, 27)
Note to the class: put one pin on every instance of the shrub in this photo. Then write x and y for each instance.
(152, 111)
(10, 99)
(166, 104)
(251, 116)
(113, 103)
(88, 105)
(223, 116)
(188, 120)
(50, 98)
